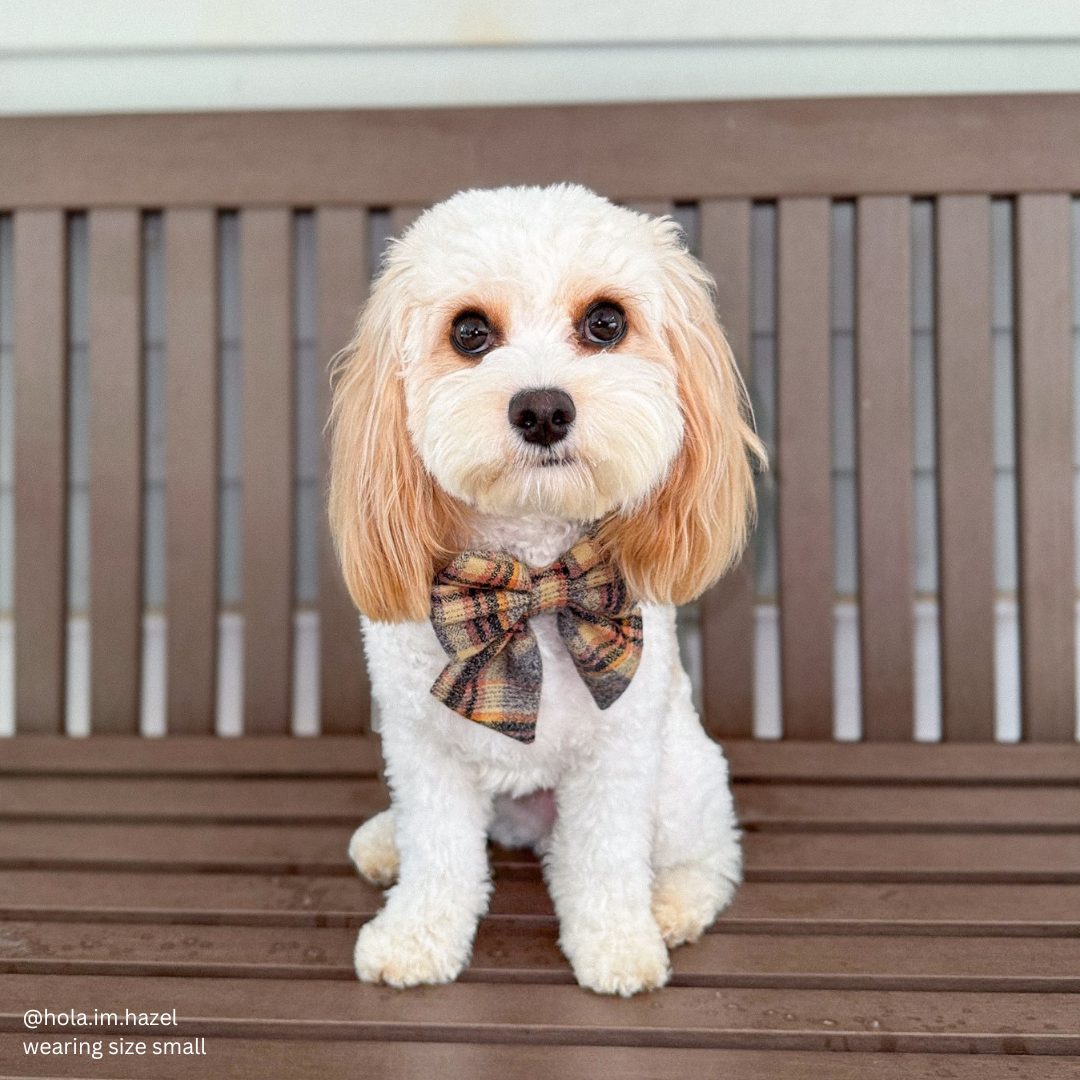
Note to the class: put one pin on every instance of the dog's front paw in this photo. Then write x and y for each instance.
(373, 850)
(407, 952)
(618, 960)
(686, 900)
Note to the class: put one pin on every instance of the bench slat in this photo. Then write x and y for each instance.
(1044, 468)
(347, 801)
(965, 456)
(529, 953)
(865, 1020)
(255, 1059)
(883, 424)
(116, 467)
(804, 469)
(191, 467)
(727, 610)
(321, 849)
(345, 696)
(41, 387)
(266, 256)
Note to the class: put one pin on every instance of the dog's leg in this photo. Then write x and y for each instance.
(373, 849)
(697, 857)
(598, 870)
(424, 933)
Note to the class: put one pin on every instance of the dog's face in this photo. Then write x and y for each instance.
(536, 370)
(538, 350)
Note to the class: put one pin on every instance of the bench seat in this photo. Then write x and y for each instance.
(909, 910)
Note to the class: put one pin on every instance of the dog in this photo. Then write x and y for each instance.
(540, 373)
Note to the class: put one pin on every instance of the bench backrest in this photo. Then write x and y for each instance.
(171, 288)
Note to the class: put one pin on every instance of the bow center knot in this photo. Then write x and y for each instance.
(481, 605)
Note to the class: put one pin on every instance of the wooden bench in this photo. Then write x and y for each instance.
(914, 908)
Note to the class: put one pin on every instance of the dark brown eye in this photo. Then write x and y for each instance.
(471, 333)
(604, 323)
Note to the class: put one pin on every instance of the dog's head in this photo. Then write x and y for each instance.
(538, 351)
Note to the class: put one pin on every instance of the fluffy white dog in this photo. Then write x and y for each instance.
(536, 365)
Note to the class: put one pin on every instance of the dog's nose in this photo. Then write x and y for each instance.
(542, 416)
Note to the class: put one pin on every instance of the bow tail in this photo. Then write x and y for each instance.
(606, 651)
(498, 687)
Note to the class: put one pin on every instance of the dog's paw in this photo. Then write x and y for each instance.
(373, 850)
(686, 901)
(619, 960)
(405, 953)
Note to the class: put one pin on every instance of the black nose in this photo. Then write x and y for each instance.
(542, 416)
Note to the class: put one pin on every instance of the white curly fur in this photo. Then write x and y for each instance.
(639, 841)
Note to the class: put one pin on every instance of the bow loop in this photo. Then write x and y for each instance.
(480, 607)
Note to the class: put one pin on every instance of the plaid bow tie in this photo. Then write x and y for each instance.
(480, 608)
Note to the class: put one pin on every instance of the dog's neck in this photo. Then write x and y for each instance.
(534, 539)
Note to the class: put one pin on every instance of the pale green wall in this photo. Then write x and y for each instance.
(123, 55)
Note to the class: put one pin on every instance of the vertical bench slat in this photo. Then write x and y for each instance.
(1044, 466)
(343, 285)
(267, 304)
(115, 470)
(804, 469)
(40, 470)
(965, 454)
(191, 487)
(883, 425)
(727, 610)
(401, 217)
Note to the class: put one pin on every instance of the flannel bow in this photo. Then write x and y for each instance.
(480, 608)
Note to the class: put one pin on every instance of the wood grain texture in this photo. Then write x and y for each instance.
(804, 469)
(41, 387)
(727, 610)
(343, 284)
(899, 1021)
(191, 464)
(965, 456)
(116, 470)
(678, 150)
(883, 425)
(1044, 470)
(256, 1059)
(267, 302)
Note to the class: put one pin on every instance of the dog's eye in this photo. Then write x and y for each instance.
(471, 333)
(604, 323)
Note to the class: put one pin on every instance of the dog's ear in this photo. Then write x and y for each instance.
(391, 523)
(695, 524)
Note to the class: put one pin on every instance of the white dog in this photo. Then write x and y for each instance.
(536, 365)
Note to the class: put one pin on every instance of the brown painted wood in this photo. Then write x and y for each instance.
(266, 275)
(191, 449)
(41, 366)
(322, 800)
(193, 756)
(881, 808)
(338, 801)
(256, 1059)
(1025, 858)
(343, 283)
(800, 762)
(528, 953)
(912, 763)
(965, 455)
(804, 469)
(727, 610)
(743, 149)
(116, 465)
(780, 907)
(900, 1021)
(401, 217)
(1044, 466)
(884, 424)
